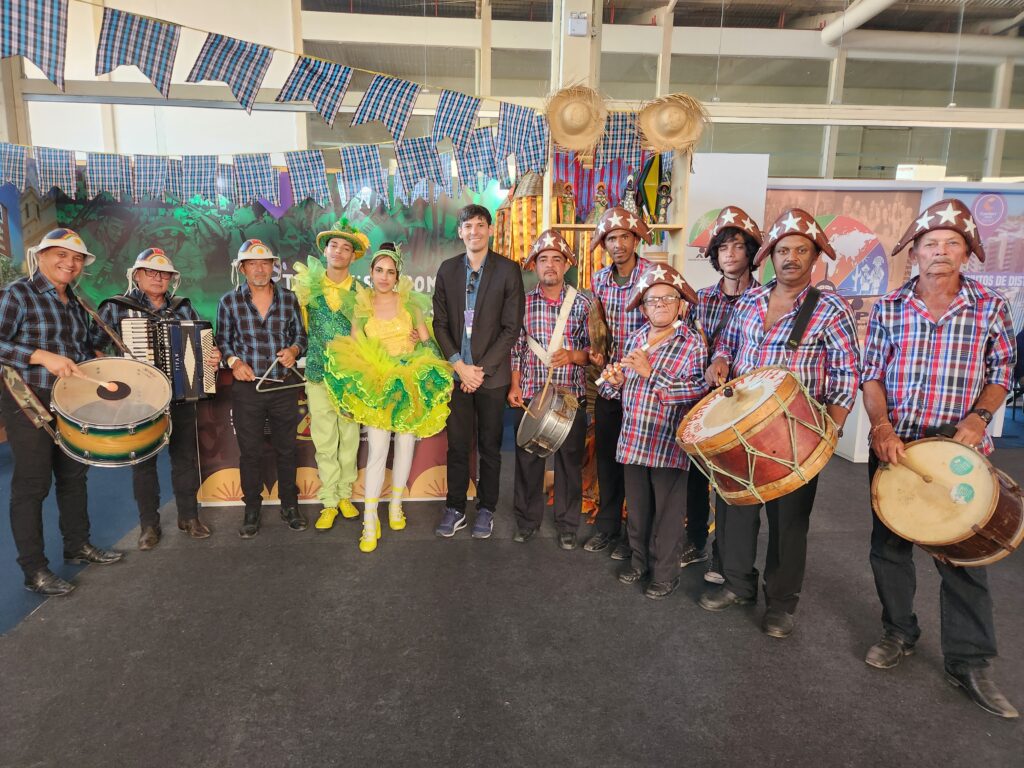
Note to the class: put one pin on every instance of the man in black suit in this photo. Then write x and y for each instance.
(478, 310)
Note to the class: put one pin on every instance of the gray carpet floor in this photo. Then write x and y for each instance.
(295, 649)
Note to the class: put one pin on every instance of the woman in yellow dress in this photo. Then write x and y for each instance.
(390, 377)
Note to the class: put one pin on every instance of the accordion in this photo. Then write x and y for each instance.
(179, 349)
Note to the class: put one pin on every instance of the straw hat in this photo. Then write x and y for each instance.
(671, 122)
(576, 116)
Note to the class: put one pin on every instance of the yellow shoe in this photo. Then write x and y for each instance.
(396, 518)
(347, 509)
(371, 532)
(326, 520)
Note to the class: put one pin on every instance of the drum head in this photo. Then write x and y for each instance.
(77, 399)
(962, 493)
(717, 412)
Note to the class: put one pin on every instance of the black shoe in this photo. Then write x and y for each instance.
(722, 598)
(46, 582)
(523, 535)
(295, 519)
(777, 623)
(250, 525)
(659, 590)
(981, 690)
(599, 542)
(622, 550)
(149, 537)
(567, 541)
(887, 652)
(630, 575)
(87, 553)
(692, 554)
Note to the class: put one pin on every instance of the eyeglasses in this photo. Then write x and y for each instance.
(474, 278)
(157, 274)
(664, 301)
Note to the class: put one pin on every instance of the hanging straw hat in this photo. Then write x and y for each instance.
(672, 122)
(576, 116)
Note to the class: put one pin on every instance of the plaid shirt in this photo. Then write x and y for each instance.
(827, 360)
(33, 317)
(539, 322)
(714, 304)
(653, 407)
(614, 299)
(933, 372)
(254, 339)
(113, 313)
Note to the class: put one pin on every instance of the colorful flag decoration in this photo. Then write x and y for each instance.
(322, 83)
(108, 173)
(477, 158)
(308, 176)
(225, 183)
(149, 177)
(524, 133)
(389, 100)
(455, 117)
(13, 160)
(255, 177)
(175, 186)
(199, 177)
(361, 168)
(421, 191)
(567, 168)
(56, 169)
(418, 159)
(620, 141)
(37, 30)
(239, 64)
(148, 44)
(447, 184)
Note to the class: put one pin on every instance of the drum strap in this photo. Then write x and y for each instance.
(556, 335)
(26, 400)
(803, 318)
(169, 309)
(114, 335)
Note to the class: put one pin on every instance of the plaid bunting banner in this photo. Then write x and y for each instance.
(455, 117)
(239, 64)
(13, 158)
(56, 169)
(323, 83)
(149, 177)
(389, 100)
(108, 173)
(148, 44)
(477, 158)
(226, 174)
(308, 176)
(418, 159)
(524, 133)
(175, 186)
(361, 168)
(37, 30)
(666, 164)
(255, 177)
(620, 141)
(447, 184)
(199, 177)
(419, 192)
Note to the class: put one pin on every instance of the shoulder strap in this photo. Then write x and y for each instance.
(128, 301)
(175, 302)
(803, 318)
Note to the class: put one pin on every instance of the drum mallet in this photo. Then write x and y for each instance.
(113, 390)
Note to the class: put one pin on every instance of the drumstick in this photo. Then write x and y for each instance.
(910, 464)
(110, 386)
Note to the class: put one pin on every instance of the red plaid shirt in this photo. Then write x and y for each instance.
(653, 407)
(614, 299)
(713, 304)
(827, 360)
(933, 372)
(539, 322)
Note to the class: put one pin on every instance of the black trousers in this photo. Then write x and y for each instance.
(698, 507)
(38, 462)
(736, 530)
(655, 524)
(477, 415)
(184, 471)
(610, 482)
(530, 497)
(967, 625)
(250, 411)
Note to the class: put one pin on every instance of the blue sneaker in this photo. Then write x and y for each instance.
(484, 524)
(452, 521)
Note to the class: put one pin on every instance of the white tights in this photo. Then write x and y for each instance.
(379, 441)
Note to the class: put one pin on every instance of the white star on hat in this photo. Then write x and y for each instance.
(922, 223)
(948, 214)
(641, 284)
(812, 229)
(549, 241)
(969, 225)
(614, 220)
(677, 281)
(748, 225)
(658, 273)
(791, 222)
(774, 233)
(563, 247)
(728, 216)
(600, 228)
(632, 221)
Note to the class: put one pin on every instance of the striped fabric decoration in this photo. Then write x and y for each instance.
(37, 30)
(148, 44)
(524, 133)
(447, 184)
(421, 191)
(255, 177)
(199, 177)
(455, 118)
(308, 175)
(620, 141)
(108, 173)
(225, 184)
(149, 177)
(13, 161)
(322, 83)
(389, 100)
(418, 159)
(477, 159)
(175, 186)
(239, 64)
(56, 169)
(567, 168)
(361, 167)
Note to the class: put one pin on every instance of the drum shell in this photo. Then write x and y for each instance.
(542, 431)
(113, 446)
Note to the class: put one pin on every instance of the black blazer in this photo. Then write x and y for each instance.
(500, 303)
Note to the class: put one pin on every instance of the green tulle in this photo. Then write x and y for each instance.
(308, 285)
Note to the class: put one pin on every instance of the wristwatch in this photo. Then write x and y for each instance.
(232, 360)
(985, 415)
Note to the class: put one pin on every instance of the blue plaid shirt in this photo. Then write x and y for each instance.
(113, 313)
(257, 340)
(33, 317)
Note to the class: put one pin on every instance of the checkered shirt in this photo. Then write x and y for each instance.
(113, 313)
(241, 65)
(254, 176)
(714, 305)
(477, 158)
(389, 100)
(13, 159)
(56, 168)
(149, 177)
(614, 299)
(653, 407)
(254, 339)
(361, 167)
(322, 83)
(33, 317)
(455, 117)
(620, 140)
(149, 44)
(37, 30)
(828, 357)
(539, 322)
(108, 173)
(308, 175)
(199, 177)
(933, 372)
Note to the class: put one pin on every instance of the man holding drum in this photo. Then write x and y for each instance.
(819, 346)
(552, 309)
(44, 332)
(938, 352)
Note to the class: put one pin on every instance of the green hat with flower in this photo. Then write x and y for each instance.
(344, 230)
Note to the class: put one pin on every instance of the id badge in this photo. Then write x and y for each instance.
(469, 322)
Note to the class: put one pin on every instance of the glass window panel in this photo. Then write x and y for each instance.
(794, 150)
(629, 75)
(917, 83)
(520, 73)
(785, 81)
(450, 9)
(439, 67)
(875, 152)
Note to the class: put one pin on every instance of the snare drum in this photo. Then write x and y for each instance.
(547, 421)
(970, 514)
(770, 438)
(113, 432)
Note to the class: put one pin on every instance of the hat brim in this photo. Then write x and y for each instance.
(359, 246)
(532, 258)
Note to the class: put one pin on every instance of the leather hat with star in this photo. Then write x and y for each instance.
(661, 274)
(945, 214)
(795, 221)
(733, 216)
(549, 240)
(620, 218)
